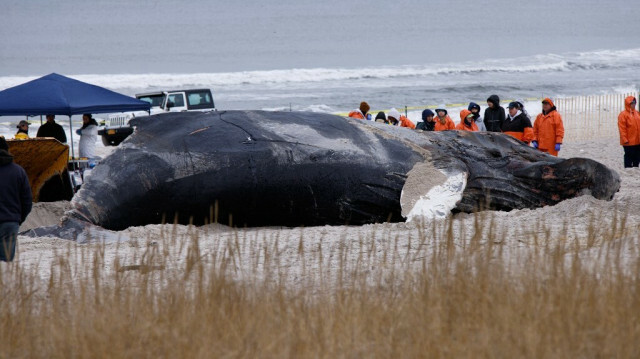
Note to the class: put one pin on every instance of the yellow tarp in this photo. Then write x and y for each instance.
(41, 158)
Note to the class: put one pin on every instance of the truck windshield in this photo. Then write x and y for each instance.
(154, 100)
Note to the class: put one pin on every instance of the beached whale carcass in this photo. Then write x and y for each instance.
(297, 168)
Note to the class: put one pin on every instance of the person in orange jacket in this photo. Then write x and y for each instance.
(443, 121)
(402, 121)
(629, 127)
(548, 130)
(361, 113)
(467, 121)
(517, 124)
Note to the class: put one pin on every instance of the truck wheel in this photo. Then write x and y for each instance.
(105, 140)
(110, 141)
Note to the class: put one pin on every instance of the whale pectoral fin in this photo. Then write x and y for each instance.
(74, 230)
(432, 192)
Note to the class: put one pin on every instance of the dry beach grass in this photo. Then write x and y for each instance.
(450, 299)
(560, 281)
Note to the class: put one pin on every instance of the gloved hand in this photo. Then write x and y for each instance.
(79, 132)
(558, 146)
(535, 144)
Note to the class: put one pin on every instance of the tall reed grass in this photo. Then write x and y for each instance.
(438, 294)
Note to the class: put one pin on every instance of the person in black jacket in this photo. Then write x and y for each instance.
(381, 117)
(15, 201)
(428, 123)
(518, 124)
(494, 115)
(52, 129)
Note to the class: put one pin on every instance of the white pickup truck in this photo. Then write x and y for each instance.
(117, 126)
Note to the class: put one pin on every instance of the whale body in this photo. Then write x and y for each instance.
(258, 168)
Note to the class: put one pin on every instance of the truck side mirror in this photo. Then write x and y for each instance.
(170, 104)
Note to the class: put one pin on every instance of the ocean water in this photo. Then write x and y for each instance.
(328, 55)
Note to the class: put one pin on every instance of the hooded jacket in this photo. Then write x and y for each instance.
(629, 124)
(15, 192)
(426, 125)
(447, 125)
(479, 120)
(494, 116)
(463, 125)
(518, 127)
(356, 114)
(395, 114)
(403, 121)
(548, 129)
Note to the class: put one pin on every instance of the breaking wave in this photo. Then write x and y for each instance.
(595, 60)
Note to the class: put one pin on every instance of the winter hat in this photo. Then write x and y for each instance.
(473, 105)
(514, 104)
(394, 113)
(426, 113)
(464, 114)
(364, 107)
(381, 116)
(3, 144)
(494, 99)
(548, 100)
(441, 107)
(22, 122)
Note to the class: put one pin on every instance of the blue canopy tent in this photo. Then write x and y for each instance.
(59, 95)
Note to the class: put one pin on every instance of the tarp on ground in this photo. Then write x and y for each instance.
(59, 95)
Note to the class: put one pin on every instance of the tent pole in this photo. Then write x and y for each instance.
(40, 120)
(73, 155)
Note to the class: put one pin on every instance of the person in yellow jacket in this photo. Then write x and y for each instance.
(23, 131)
(629, 127)
(548, 130)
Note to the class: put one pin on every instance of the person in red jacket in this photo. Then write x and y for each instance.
(402, 121)
(517, 124)
(629, 127)
(548, 129)
(361, 113)
(467, 121)
(443, 121)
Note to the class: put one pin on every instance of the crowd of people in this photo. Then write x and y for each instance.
(545, 134)
(88, 133)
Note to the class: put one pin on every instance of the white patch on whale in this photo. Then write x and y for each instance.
(441, 199)
(430, 192)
